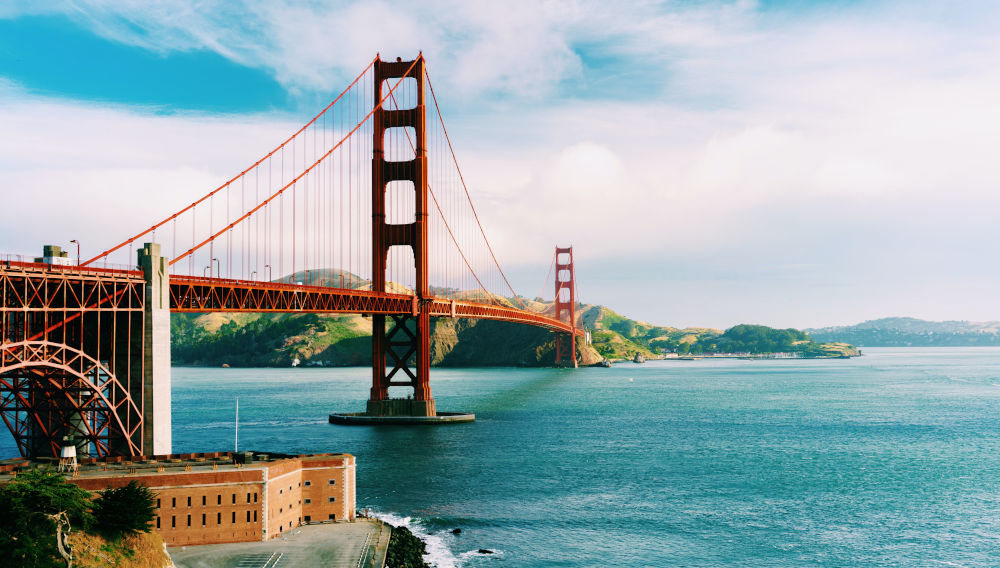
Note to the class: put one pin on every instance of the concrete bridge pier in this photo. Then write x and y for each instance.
(156, 432)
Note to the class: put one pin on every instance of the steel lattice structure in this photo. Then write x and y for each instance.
(67, 365)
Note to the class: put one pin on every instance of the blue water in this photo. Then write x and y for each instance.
(892, 459)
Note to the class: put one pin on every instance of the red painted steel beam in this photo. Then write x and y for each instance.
(199, 294)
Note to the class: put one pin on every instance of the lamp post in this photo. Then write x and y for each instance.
(253, 275)
(218, 265)
(268, 267)
(77, 243)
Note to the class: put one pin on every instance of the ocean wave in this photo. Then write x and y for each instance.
(439, 553)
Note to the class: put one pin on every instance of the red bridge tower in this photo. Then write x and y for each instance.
(565, 306)
(407, 344)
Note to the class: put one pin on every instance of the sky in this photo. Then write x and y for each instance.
(788, 163)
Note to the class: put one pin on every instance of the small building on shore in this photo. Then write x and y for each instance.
(224, 497)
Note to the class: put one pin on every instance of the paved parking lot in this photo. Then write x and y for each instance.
(360, 544)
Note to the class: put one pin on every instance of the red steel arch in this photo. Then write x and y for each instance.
(49, 390)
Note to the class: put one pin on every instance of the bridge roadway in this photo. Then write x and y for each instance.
(199, 294)
(45, 286)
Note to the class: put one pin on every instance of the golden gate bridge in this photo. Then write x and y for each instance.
(371, 186)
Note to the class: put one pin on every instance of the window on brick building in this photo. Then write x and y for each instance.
(157, 502)
(248, 516)
(333, 482)
(189, 520)
(157, 522)
(333, 499)
(234, 517)
(234, 498)
(204, 500)
(332, 517)
(173, 501)
(308, 483)
(218, 518)
(220, 499)
(255, 516)
(173, 521)
(248, 497)
(308, 518)
(254, 496)
(189, 501)
(308, 500)
(204, 520)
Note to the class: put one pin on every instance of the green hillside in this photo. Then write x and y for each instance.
(281, 340)
(617, 337)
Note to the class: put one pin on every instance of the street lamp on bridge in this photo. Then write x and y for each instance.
(268, 267)
(77, 251)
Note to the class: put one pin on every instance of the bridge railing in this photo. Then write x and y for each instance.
(8, 260)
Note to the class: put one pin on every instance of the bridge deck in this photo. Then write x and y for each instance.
(199, 294)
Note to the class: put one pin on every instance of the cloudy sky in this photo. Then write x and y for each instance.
(790, 163)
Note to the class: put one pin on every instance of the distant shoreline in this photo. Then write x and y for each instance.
(754, 357)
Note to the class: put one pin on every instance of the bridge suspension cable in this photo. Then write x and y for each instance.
(465, 189)
(286, 186)
(303, 213)
(237, 176)
(444, 221)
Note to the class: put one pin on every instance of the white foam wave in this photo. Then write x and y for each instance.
(438, 554)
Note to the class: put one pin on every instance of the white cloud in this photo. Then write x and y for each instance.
(70, 169)
(851, 144)
(522, 49)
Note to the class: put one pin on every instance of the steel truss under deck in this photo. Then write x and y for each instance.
(68, 365)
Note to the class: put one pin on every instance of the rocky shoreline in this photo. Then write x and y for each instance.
(405, 549)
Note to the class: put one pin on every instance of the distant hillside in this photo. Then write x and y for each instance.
(912, 332)
(282, 340)
(618, 337)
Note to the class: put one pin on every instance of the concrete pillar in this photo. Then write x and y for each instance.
(156, 352)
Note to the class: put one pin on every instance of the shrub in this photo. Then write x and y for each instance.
(124, 510)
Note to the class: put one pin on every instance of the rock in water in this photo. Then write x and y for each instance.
(485, 551)
(456, 531)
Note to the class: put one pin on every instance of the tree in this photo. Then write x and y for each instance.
(125, 510)
(34, 506)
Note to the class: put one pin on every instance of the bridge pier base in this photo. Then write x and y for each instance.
(401, 407)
